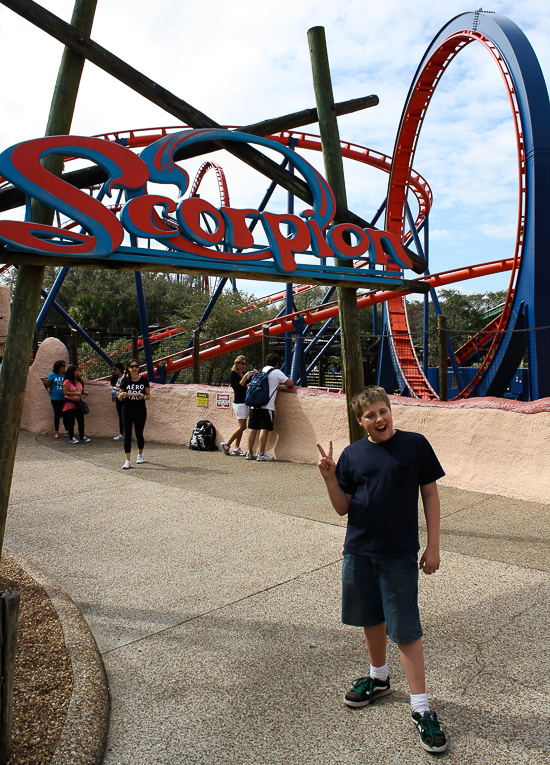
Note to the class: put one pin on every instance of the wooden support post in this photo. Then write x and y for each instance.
(26, 297)
(9, 605)
(443, 357)
(196, 358)
(265, 343)
(352, 361)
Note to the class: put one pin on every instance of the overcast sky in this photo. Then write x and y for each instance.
(243, 61)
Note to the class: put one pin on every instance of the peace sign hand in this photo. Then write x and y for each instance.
(326, 464)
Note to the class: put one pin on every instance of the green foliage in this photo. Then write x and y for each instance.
(464, 313)
(94, 366)
(226, 318)
(105, 299)
(310, 298)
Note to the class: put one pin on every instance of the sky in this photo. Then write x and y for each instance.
(245, 61)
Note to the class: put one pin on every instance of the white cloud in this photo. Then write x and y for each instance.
(506, 231)
(439, 234)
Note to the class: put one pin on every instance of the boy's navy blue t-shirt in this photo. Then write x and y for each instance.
(384, 480)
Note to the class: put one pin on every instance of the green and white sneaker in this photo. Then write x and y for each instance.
(432, 737)
(365, 691)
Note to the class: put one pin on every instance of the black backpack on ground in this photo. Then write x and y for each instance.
(203, 438)
(257, 391)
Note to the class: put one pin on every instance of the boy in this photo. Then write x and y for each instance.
(376, 484)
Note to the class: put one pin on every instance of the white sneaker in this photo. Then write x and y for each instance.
(140, 459)
(250, 456)
(74, 441)
(127, 465)
(238, 453)
(85, 440)
(120, 437)
(265, 458)
(225, 447)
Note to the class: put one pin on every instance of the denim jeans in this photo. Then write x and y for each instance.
(377, 590)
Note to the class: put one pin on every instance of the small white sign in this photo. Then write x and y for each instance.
(223, 400)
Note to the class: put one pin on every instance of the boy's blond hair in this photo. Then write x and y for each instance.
(366, 396)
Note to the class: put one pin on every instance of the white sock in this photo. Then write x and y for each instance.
(419, 703)
(379, 673)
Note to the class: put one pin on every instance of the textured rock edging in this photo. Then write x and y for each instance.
(485, 403)
(84, 734)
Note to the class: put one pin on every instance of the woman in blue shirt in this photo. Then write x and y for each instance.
(54, 384)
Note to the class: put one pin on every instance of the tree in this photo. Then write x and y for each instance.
(224, 319)
(107, 300)
(466, 314)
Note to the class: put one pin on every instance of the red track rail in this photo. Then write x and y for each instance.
(220, 176)
(224, 196)
(478, 343)
(418, 185)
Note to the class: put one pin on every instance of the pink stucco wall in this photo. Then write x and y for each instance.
(489, 445)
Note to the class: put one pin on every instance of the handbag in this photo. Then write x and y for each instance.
(85, 407)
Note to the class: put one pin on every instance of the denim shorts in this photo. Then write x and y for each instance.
(378, 590)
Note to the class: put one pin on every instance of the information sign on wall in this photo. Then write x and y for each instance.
(223, 400)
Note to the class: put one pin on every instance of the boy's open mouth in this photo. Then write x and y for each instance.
(382, 428)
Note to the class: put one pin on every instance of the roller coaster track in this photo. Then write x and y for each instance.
(471, 349)
(528, 97)
(452, 39)
(220, 176)
(223, 192)
(253, 334)
(135, 139)
(405, 355)
(531, 115)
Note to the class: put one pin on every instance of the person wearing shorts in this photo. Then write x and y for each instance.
(262, 418)
(238, 379)
(376, 484)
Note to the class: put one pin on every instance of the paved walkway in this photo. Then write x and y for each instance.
(211, 585)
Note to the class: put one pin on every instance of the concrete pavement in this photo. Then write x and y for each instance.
(211, 585)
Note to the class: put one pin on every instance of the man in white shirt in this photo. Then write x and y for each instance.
(262, 419)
